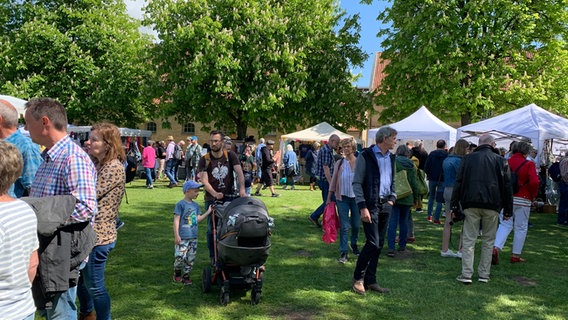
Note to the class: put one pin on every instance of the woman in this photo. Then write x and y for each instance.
(149, 162)
(401, 208)
(290, 167)
(248, 165)
(341, 186)
(161, 155)
(450, 166)
(310, 164)
(528, 189)
(105, 148)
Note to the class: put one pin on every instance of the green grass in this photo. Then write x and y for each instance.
(303, 279)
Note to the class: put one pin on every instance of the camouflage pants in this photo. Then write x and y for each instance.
(185, 254)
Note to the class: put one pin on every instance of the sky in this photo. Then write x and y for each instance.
(369, 29)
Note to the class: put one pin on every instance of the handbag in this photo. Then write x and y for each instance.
(330, 223)
(422, 186)
(402, 187)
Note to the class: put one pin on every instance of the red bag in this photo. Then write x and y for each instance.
(330, 223)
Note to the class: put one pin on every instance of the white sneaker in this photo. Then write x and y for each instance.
(459, 254)
(448, 254)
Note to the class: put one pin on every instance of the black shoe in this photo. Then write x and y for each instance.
(257, 194)
(355, 250)
(343, 258)
(274, 195)
(119, 224)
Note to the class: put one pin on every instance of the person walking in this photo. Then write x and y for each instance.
(435, 174)
(522, 201)
(481, 196)
(324, 172)
(373, 185)
(149, 163)
(290, 167)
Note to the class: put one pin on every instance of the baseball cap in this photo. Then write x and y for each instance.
(190, 184)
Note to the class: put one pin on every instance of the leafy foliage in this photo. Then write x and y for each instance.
(88, 54)
(471, 59)
(267, 64)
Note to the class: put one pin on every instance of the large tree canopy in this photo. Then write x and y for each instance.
(267, 64)
(471, 59)
(88, 54)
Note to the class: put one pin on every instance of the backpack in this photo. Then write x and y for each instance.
(554, 172)
(207, 158)
(178, 153)
(130, 168)
(515, 178)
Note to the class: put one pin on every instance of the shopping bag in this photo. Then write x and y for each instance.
(402, 186)
(330, 223)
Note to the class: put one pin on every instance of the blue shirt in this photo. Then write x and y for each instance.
(32, 160)
(385, 169)
(188, 212)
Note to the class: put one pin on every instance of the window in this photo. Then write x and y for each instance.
(189, 128)
(151, 126)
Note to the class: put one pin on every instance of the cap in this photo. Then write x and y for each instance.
(270, 142)
(190, 184)
(170, 137)
(194, 138)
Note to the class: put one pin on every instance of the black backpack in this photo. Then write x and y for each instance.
(515, 178)
(131, 167)
(554, 172)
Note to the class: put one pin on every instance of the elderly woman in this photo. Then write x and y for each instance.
(105, 148)
(290, 166)
(401, 208)
(341, 186)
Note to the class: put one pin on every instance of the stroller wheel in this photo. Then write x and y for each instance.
(254, 296)
(224, 297)
(206, 280)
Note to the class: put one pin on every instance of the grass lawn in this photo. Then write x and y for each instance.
(303, 279)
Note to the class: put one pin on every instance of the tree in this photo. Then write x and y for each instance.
(267, 64)
(88, 54)
(472, 59)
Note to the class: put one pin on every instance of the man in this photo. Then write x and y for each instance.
(192, 156)
(179, 156)
(435, 174)
(373, 185)
(258, 158)
(563, 189)
(481, 197)
(171, 162)
(66, 170)
(29, 150)
(324, 172)
(217, 171)
(267, 164)
(420, 153)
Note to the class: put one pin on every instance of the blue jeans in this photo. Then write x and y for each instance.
(563, 203)
(324, 187)
(149, 180)
(347, 222)
(64, 307)
(170, 170)
(399, 216)
(92, 291)
(432, 189)
(375, 231)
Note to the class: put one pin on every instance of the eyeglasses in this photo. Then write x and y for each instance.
(214, 141)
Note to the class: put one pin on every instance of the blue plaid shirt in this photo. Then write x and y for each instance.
(32, 160)
(67, 169)
(325, 158)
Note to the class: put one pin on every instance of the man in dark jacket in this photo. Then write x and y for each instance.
(435, 174)
(373, 185)
(482, 189)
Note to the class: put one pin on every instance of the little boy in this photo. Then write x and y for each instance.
(187, 215)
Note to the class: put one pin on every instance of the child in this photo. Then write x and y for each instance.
(187, 215)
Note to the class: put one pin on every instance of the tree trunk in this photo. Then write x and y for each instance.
(241, 131)
(466, 118)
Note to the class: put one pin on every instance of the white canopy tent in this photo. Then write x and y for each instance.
(421, 125)
(18, 103)
(531, 122)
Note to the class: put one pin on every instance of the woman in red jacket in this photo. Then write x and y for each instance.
(522, 200)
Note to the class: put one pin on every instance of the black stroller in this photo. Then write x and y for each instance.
(242, 242)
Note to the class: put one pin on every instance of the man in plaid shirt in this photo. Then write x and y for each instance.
(67, 169)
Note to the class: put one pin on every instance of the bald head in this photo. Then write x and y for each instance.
(8, 115)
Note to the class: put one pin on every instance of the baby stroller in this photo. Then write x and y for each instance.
(242, 240)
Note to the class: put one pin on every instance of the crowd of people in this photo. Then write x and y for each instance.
(374, 189)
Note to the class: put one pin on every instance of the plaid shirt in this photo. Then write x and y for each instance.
(32, 160)
(67, 169)
(325, 158)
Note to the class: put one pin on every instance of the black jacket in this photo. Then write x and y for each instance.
(433, 166)
(483, 182)
(62, 246)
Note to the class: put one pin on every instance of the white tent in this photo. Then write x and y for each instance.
(530, 121)
(421, 125)
(319, 132)
(16, 102)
